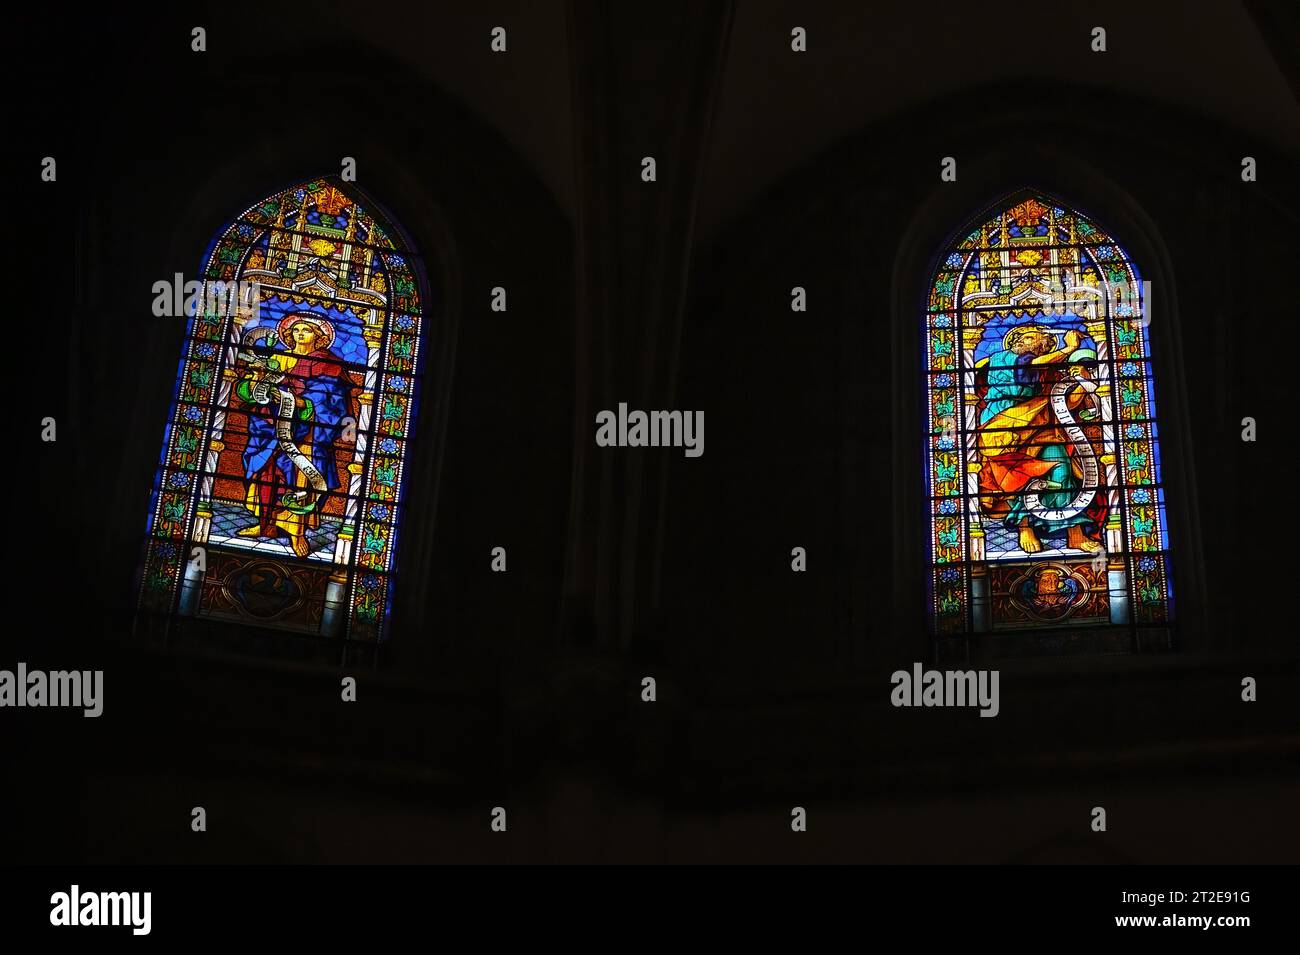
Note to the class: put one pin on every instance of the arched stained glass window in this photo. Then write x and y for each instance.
(279, 493)
(1046, 501)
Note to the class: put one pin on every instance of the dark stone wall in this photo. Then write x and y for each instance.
(163, 158)
(773, 686)
(815, 440)
(152, 166)
(815, 416)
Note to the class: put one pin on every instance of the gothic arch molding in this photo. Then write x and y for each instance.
(984, 177)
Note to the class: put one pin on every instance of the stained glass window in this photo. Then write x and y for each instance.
(278, 496)
(1046, 500)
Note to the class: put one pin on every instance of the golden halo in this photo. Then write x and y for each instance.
(1019, 330)
(306, 318)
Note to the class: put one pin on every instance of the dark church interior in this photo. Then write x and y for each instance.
(522, 170)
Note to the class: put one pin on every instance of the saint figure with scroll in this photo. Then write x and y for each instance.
(1038, 454)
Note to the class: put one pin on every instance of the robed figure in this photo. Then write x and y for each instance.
(288, 486)
(1023, 448)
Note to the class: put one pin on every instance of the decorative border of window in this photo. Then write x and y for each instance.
(318, 249)
(1035, 261)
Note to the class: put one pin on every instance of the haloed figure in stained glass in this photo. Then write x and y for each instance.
(1039, 458)
(1046, 502)
(298, 397)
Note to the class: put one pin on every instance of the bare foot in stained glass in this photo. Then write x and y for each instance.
(1077, 539)
(1029, 541)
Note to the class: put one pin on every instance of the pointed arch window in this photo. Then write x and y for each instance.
(1045, 494)
(278, 497)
